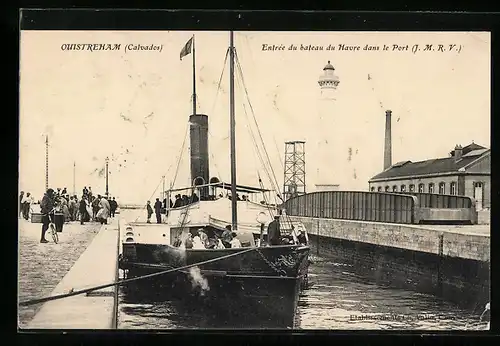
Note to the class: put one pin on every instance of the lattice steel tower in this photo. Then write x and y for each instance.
(295, 169)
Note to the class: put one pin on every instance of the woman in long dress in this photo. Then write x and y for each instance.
(65, 209)
(104, 210)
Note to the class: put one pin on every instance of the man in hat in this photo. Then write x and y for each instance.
(46, 207)
(158, 210)
(273, 231)
(149, 210)
(178, 201)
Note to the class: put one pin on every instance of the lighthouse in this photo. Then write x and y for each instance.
(335, 153)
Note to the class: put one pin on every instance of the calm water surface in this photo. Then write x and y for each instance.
(337, 299)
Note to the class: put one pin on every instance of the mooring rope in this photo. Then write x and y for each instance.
(95, 288)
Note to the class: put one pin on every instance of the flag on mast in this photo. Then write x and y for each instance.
(187, 48)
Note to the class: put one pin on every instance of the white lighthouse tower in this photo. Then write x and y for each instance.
(335, 157)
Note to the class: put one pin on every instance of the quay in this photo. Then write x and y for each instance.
(98, 265)
(461, 241)
(427, 243)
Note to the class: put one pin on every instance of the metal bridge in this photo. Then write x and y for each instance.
(404, 208)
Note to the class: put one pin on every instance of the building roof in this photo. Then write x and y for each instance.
(329, 66)
(432, 166)
(467, 149)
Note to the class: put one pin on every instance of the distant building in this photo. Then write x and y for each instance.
(466, 172)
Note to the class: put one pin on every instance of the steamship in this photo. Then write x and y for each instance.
(256, 278)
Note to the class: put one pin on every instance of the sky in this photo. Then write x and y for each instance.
(133, 106)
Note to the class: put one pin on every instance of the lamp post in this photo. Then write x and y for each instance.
(46, 162)
(107, 162)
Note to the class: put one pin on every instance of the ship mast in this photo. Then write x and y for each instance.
(232, 126)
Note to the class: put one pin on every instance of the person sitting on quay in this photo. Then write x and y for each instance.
(149, 211)
(46, 207)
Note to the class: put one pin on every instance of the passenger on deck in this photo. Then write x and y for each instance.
(185, 200)
(302, 238)
(158, 210)
(244, 197)
(177, 242)
(227, 237)
(215, 241)
(188, 243)
(197, 243)
(235, 242)
(220, 196)
(273, 231)
(178, 201)
(204, 238)
(149, 210)
(194, 198)
(238, 197)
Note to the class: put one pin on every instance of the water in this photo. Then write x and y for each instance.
(337, 299)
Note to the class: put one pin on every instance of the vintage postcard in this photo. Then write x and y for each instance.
(292, 180)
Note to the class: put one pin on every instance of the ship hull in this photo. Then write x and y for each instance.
(248, 289)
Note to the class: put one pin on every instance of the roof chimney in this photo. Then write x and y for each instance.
(458, 152)
(388, 141)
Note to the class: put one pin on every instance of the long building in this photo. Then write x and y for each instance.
(466, 172)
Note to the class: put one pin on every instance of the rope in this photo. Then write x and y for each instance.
(213, 107)
(168, 170)
(255, 120)
(262, 161)
(275, 183)
(121, 282)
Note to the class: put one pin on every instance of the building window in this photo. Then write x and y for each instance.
(395, 188)
(442, 188)
(431, 188)
(403, 188)
(453, 188)
(387, 188)
(379, 189)
(412, 188)
(372, 188)
(421, 188)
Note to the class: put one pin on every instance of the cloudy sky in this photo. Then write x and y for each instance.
(133, 106)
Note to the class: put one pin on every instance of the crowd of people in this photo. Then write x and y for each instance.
(59, 207)
(210, 239)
